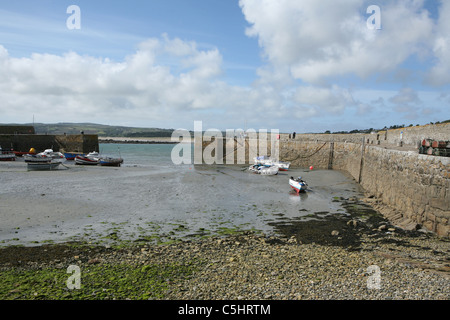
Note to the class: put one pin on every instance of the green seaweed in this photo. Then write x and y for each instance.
(97, 282)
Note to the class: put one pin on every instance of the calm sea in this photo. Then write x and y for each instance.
(140, 154)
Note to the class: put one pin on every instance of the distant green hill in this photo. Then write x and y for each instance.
(100, 129)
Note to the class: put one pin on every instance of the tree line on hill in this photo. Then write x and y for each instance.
(385, 128)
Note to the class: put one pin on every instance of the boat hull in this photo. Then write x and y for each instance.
(35, 158)
(71, 155)
(298, 186)
(7, 155)
(41, 166)
(86, 161)
(7, 158)
(111, 162)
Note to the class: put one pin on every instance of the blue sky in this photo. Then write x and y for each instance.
(292, 65)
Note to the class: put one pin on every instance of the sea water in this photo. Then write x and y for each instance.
(144, 154)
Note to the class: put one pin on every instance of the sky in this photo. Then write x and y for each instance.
(290, 65)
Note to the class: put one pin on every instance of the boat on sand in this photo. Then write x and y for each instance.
(43, 165)
(111, 162)
(268, 162)
(92, 158)
(6, 155)
(264, 170)
(298, 184)
(45, 156)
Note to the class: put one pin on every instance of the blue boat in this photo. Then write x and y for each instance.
(72, 155)
(112, 162)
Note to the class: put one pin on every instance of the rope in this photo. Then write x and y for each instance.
(309, 156)
(65, 166)
(237, 142)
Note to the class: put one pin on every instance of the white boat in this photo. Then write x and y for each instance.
(268, 161)
(264, 170)
(56, 156)
(92, 158)
(45, 156)
(298, 184)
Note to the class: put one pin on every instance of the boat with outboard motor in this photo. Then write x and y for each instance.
(298, 184)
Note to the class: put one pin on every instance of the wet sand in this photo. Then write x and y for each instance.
(101, 204)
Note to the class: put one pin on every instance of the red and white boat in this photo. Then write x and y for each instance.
(91, 158)
(298, 184)
(6, 155)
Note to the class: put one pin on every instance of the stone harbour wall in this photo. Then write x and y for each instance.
(413, 135)
(410, 189)
(415, 187)
(64, 143)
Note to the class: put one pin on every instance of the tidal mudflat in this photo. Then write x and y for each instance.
(175, 233)
(158, 203)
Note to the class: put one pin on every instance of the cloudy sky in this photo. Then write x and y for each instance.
(292, 65)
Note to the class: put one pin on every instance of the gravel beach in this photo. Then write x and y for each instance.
(408, 265)
(312, 255)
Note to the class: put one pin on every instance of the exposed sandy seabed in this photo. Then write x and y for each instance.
(89, 203)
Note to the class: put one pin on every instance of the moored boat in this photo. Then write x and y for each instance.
(268, 161)
(91, 158)
(71, 155)
(298, 184)
(49, 165)
(111, 162)
(45, 156)
(264, 170)
(7, 155)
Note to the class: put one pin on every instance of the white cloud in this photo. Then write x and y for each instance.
(307, 46)
(321, 39)
(330, 100)
(440, 73)
(165, 82)
(143, 82)
(406, 96)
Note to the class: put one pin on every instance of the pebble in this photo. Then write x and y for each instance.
(247, 267)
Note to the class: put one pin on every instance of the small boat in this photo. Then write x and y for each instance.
(71, 155)
(6, 155)
(264, 170)
(56, 156)
(91, 158)
(44, 157)
(298, 184)
(111, 162)
(269, 171)
(49, 165)
(268, 161)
